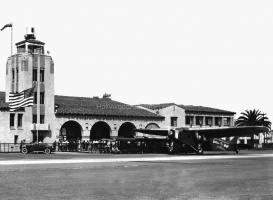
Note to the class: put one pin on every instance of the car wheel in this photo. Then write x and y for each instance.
(24, 151)
(47, 151)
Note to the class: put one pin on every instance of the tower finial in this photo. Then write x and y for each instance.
(30, 33)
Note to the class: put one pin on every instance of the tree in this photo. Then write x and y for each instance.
(253, 118)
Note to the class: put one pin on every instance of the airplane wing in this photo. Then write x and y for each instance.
(161, 132)
(219, 132)
(211, 132)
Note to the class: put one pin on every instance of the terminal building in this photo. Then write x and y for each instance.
(54, 117)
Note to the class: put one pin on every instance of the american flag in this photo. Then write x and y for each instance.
(22, 99)
(7, 25)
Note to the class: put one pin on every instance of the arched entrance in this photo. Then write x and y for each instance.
(126, 130)
(71, 130)
(152, 126)
(100, 130)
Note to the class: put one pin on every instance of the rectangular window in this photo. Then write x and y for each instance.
(199, 120)
(226, 121)
(34, 75)
(189, 120)
(208, 121)
(15, 139)
(42, 75)
(20, 120)
(11, 121)
(35, 98)
(17, 75)
(34, 119)
(17, 80)
(42, 98)
(174, 121)
(13, 75)
(42, 119)
(218, 121)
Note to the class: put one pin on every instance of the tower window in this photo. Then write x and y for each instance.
(15, 139)
(13, 75)
(11, 120)
(20, 120)
(35, 98)
(34, 119)
(42, 75)
(42, 98)
(42, 119)
(17, 79)
(34, 75)
(17, 75)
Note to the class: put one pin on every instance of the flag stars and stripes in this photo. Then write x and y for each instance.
(22, 99)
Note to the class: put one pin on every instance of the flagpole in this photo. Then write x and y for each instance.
(11, 37)
(37, 132)
(38, 98)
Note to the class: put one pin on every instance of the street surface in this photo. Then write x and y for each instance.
(70, 175)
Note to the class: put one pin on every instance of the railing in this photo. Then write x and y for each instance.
(9, 147)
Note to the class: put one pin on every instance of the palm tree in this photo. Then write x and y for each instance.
(253, 118)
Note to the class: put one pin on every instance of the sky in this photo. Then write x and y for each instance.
(214, 53)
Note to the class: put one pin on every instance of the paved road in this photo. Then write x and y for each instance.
(248, 175)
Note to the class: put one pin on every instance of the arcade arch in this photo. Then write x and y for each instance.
(100, 130)
(126, 130)
(71, 130)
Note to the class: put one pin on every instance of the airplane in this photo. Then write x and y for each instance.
(198, 139)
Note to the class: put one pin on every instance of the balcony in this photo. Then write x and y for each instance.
(40, 127)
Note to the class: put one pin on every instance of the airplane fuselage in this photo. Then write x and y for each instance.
(197, 143)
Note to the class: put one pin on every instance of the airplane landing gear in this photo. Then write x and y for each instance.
(200, 151)
(236, 149)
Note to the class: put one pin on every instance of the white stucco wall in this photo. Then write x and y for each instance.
(168, 112)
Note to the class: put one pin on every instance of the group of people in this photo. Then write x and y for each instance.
(73, 145)
(93, 146)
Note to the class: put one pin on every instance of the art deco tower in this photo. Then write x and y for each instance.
(27, 68)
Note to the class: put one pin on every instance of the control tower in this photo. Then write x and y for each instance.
(30, 67)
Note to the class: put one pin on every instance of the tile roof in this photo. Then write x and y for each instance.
(108, 107)
(156, 106)
(33, 41)
(99, 107)
(92, 106)
(188, 108)
(191, 108)
(3, 104)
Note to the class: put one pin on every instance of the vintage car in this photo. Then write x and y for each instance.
(43, 148)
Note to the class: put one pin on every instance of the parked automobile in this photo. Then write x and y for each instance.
(43, 148)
